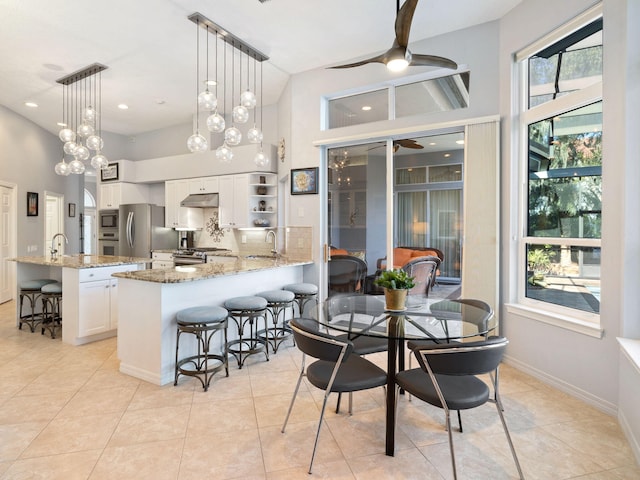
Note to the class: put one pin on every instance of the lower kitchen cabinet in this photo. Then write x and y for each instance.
(98, 307)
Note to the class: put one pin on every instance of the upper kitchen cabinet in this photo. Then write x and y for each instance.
(234, 201)
(203, 185)
(181, 217)
(112, 195)
(248, 200)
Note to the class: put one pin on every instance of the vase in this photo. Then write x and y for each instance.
(395, 299)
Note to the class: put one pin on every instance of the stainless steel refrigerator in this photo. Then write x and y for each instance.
(142, 230)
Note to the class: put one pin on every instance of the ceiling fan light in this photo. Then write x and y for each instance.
(397, 64)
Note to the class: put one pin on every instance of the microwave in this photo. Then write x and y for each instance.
(109, 219)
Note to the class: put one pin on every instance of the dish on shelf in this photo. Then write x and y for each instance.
(261, 222)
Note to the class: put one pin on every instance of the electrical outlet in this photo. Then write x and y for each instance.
(244, 239)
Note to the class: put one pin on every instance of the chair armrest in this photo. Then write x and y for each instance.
(380, 265)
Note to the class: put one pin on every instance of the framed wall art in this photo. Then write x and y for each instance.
(32, 204)
(304, 181)
(109, 174)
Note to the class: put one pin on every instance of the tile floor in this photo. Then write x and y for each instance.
(67, 413)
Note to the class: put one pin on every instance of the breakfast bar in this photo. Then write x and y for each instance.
(149, 300)
(89, 292)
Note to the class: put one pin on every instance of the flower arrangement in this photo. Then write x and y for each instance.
(395, 280)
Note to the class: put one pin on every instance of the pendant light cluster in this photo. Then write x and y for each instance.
(81, 122)
(223, 83)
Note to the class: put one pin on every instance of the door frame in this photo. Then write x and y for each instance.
(59, 218)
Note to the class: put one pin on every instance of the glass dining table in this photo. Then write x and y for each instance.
(440, 322)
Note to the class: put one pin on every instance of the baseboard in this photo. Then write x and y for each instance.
(596, 402)
(628, 432)
(141, 374)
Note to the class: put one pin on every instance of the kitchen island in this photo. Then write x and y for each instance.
(89, 292)
(149, 300)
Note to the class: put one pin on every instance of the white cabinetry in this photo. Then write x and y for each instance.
(203, 185)
(234, 201)
(90, 303)
(162, 260)
(112, 195)
(176, 216)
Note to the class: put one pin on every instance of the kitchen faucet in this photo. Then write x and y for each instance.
(54, 251)
(272, 233)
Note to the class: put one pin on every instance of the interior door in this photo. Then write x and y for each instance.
(54, 220)
(6, 238)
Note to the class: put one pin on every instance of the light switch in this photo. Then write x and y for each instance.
(244, 239)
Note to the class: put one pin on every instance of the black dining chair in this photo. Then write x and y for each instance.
(346, 274)
(447, 378)
(364, 310)
(335, 370)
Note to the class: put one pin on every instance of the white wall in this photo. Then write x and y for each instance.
(28, 155)
(581, 364)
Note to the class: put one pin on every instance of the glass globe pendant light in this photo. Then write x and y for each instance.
(224, 153)
(70, 148)
(261, 159)
(215, 122)
(232, 136)
(240, 114)
(99, 161)
(248, 98)
(197, 143)
(254, 135)
(94, 142)
(62, 168)
(81, 99)
(76, 166)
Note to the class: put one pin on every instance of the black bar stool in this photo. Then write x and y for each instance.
(30, 289)
(203, 322)
(277, 303)
(303, 292)
(51, 295)
(246, 311)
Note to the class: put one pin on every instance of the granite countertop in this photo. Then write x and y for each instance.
(81, 261)
(203, 271)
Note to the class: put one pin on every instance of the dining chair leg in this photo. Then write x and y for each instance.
(459, 421)
(506, 432)
(293, 399)
(338, 402)
(350, 403)
(315, 444)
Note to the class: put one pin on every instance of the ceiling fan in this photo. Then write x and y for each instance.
(398, 56)
(405, 143)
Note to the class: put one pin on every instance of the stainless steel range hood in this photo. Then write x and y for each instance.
(200, 200)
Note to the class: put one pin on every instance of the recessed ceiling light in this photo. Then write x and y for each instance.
(460, 142)
(447, 155)
(61, 124)
(160, 101)
(31, 104)
(366, 108)
(123, 106)
(432, 143)
(210, 82)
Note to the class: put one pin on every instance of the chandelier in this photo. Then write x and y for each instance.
(81, 123)
(214, 103)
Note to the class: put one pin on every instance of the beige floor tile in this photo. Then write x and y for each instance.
(622, 473)
(212, 418)
(338, 470)
(110, 379)
(104, 400)
(55, 380)
(272, 383)
(14, 439)
(151, 425)
(149, 396)
(364, 433)
(69, 466)
(33, 408)
(271, 410)
(293, 448)
(602, 440)
(222, 456)
(146, 461)
(235, 386)
(73, 434)
(405, 465)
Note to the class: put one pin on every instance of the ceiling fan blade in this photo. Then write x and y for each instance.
(431, 61)
(403, 22)
(410, 143)
(376, 59)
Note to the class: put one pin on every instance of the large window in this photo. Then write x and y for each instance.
(562, 161)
